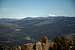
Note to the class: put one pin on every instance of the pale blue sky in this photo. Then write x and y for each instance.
(27, 8)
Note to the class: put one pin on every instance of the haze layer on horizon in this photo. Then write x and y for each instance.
(35, 8)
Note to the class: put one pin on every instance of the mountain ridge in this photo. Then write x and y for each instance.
(36, 27)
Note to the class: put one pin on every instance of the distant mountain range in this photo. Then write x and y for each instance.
(34, 28)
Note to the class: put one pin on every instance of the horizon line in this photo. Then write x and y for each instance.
(31, 17)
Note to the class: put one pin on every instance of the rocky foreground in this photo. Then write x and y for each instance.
(59, 43)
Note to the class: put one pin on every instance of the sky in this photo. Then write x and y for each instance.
(34, 8)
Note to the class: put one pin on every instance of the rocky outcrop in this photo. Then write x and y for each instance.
(38, 45)
(44, 44)
(28, 46)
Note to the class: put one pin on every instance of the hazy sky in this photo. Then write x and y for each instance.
(27, 8)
